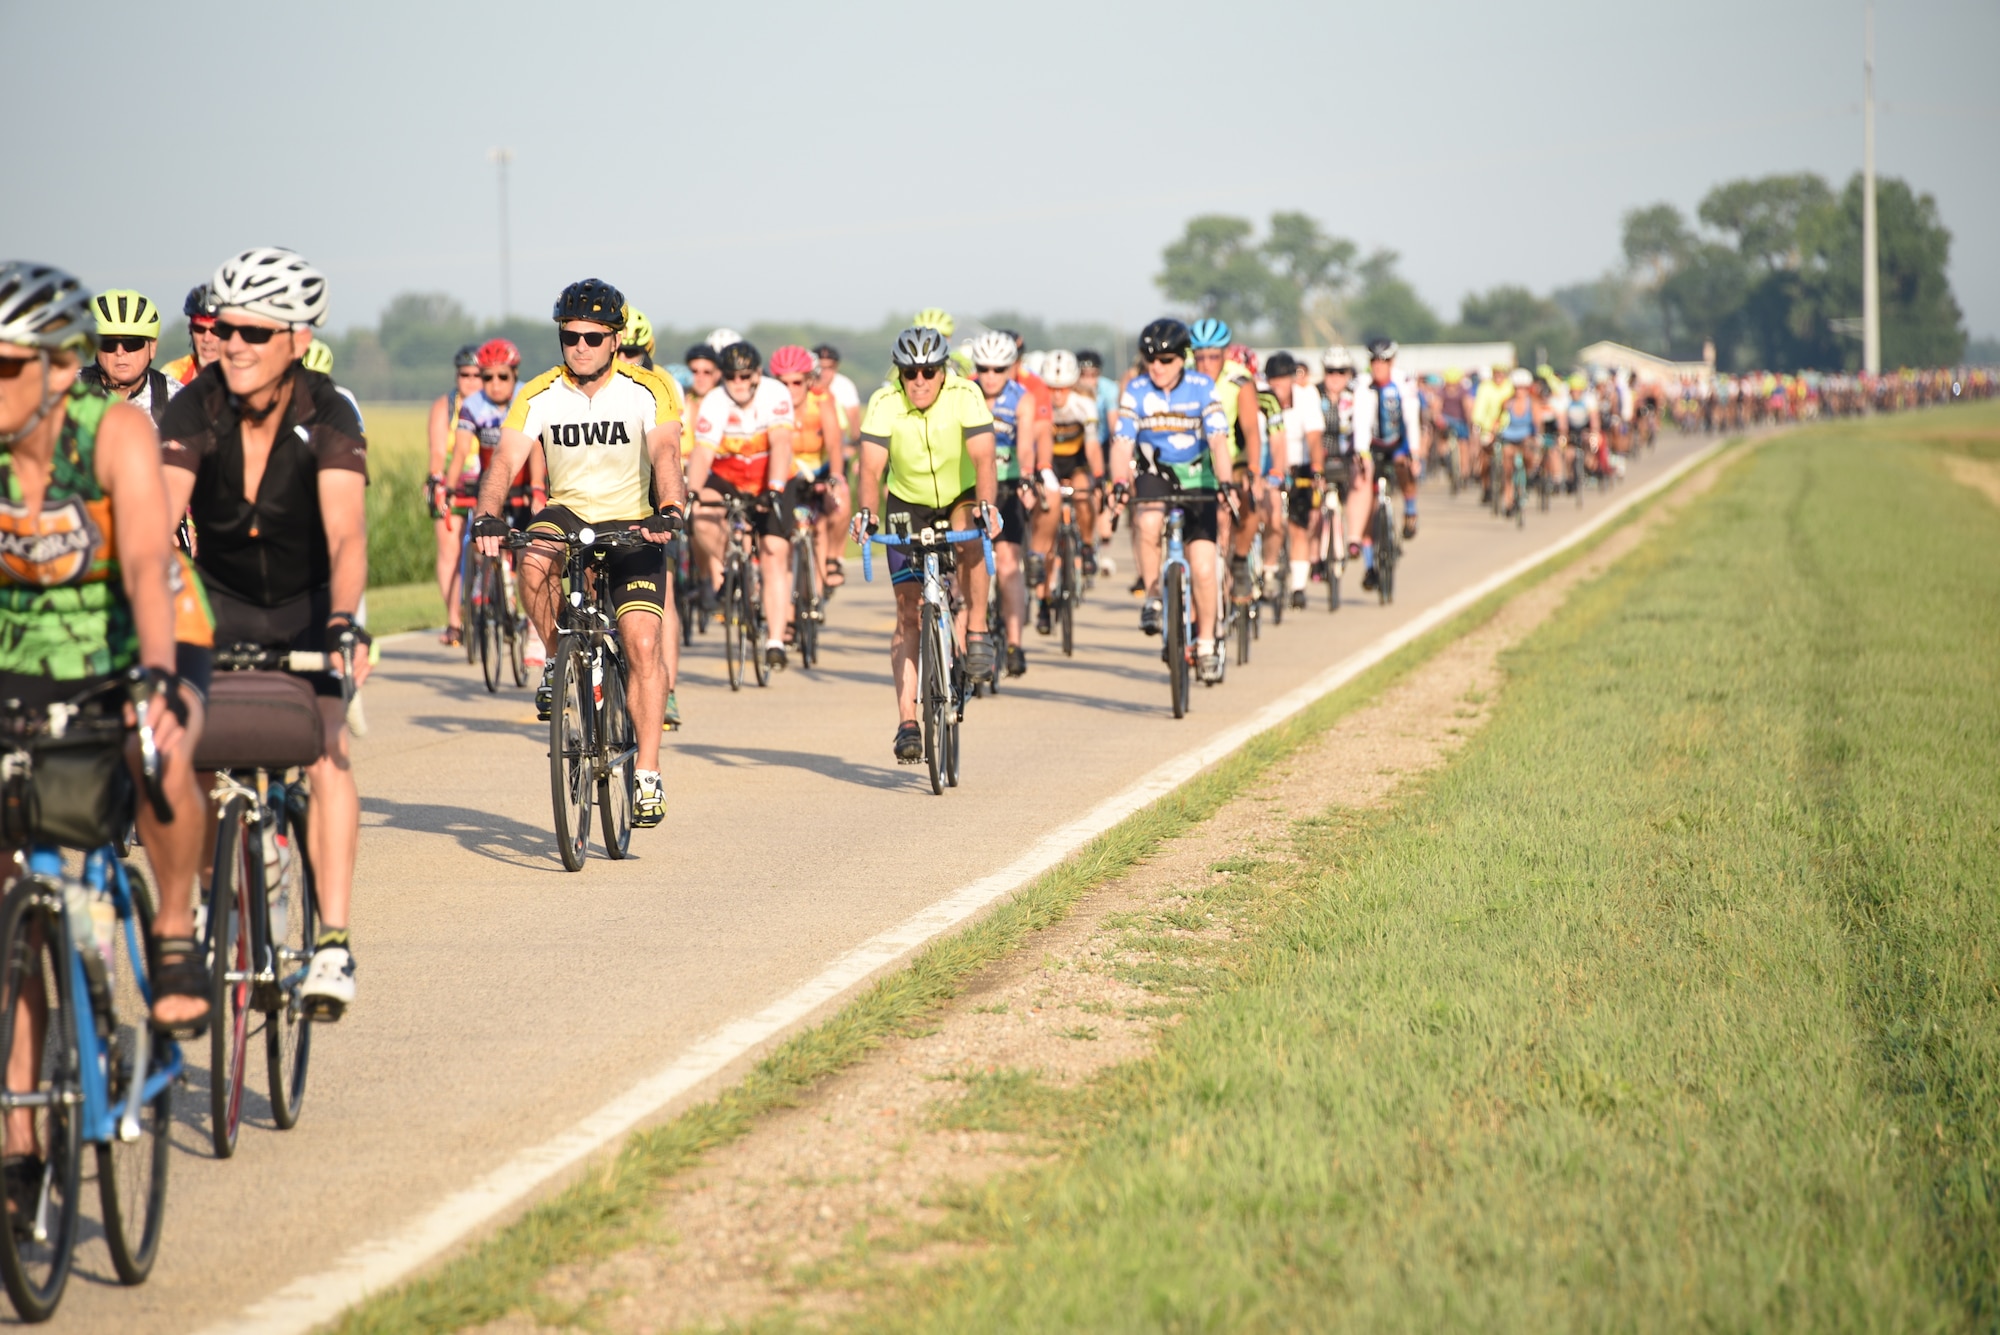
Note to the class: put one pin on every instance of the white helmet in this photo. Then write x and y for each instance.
(1032, 362)
(993, 348)
(722, 338)
(1338, 358)
(1522, 377)
(1059, 368)
(272, 282)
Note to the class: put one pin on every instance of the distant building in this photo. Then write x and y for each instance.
(1419, 359)
(1609, 356)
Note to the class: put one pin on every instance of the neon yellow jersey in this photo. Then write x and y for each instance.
(1228, 387)
(1489, 403)
(928, 462)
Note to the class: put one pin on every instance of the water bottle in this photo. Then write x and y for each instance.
(104, 932)
(79, 915)
(277, 866)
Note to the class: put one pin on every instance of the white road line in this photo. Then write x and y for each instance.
(313, 1299)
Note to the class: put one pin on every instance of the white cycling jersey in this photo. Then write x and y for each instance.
(595, 445)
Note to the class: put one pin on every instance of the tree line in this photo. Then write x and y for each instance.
(1768, 271)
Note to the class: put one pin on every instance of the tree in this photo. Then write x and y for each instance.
(1764, 216)
(1657, 240)
(1922, 323)
(1215, 268)
(1513, 314)
(1305, 263)
(1387, 306)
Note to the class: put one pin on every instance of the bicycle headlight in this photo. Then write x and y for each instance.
(586, 536)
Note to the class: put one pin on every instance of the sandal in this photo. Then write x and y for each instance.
(178, 970)
(451, 638)
(835, 574)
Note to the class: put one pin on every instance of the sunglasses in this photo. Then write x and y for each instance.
(994, 370)
(571, 337)
(13, 366)
(1161, 358)
(256, 335)
(922, 372)
(122, 343)
(793, 381)
(742, 377)
(496, 375)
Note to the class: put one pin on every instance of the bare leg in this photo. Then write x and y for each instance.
(1008, 568)
(645, 681)
(334, 832)
(777, 563)
(1201, 559)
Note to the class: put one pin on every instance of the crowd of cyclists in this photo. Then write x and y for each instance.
(163, 526)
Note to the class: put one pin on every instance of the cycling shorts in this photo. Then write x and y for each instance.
(637, 577)
(1067, 466)
(1013, 514)
(299, 623)
(1299, 500)
(904, 568)
(1457, 427)
(1198, 518)
(776, 521)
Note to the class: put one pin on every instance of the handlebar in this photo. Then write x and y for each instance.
(586, 538)
(929, 538)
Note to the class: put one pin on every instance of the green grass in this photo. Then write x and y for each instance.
(401, 548)
(610, 1206)
(1673, 1002)
(400, 607)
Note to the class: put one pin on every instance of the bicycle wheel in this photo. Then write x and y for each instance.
(132, 1175)
(468, 566)
(35, 1254)
(569, 752)
(755, 632)
(492, 612)
(1173, 625)
(1576, 471)
(1245, 628)
(1544, 484)
(236, 842)
(293, 914)
(1385, 554)
(614, 781)
(1282, 591)
(517, 634)
(1520, 492)
(732, 625)
(805, 608)
(933, 700)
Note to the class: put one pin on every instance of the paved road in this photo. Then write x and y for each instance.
(503, 999)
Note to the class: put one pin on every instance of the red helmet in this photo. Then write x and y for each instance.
(498, 352)
(1240, 354)
(793, 360)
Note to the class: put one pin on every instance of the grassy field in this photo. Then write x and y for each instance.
(1674, 1002)
(401, 549)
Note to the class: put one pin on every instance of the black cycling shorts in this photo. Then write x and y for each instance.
(1013, 514)
(299, 623)
(1198, 518)
(775, 522)
(903, 568)
(1299, 497)
(638, 576)
(1067, 466)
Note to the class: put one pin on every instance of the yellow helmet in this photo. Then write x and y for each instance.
(930, 317)
(638, 330)
(122, 311)
(319, 357)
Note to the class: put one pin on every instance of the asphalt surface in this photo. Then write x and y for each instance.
(502, 999)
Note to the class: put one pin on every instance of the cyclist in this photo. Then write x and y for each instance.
(199, 308)
(1336, 406)
(819, 454)
(86, 592)
(1236, 390)
(636, 345)
(636, 341)
(845, 396)
(993, 365)
(128, 332)
(1298, 455)
(1514, 434)
(1173, 434)
(610, 439)
(1386, 430)
(743, 437)
(269, 461)
(1454, 416)
(1075, 459)
(930, 431)
(443, 429)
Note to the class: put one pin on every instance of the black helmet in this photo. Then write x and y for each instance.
(739, 357)
(1090, 357)
(1382, 350)
(1165, 335)
(592, 299)
(198, 302)
(700, 352)
(826, 352)
(1280, 365)
(466, 356)
(919, 345)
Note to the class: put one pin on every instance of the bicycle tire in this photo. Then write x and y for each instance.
(1173, 627)
(1246, 630)
(569, 753)
(491, 615)
(1385, 554)
(517, 635)
(36, 1268)
(1576, 473)
(932, 701)
(805, 609)
(1545, 483)
(755, 632)
(1520, 492)
(466, 581)
(1283, 581)
(229, 950)
(132, 1176)
(615, 782)
(292, 918)
(732, 628)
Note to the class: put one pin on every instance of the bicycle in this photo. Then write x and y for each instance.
(1066, 580)
(741, 606)
(592, 741)
(1382, 532)
(263, 907)
(808, 609)
(1177, 620)
(104, 1079)
(941, 688)
(1332, 552)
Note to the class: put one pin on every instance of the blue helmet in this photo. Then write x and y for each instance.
(1209, 333)
(681, 374)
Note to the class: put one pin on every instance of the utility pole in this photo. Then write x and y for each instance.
(1871, 278)
(500, 157)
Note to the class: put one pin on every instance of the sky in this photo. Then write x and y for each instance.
(727, 163)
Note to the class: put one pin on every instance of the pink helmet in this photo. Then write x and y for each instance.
(793, 360)
(1240, 354)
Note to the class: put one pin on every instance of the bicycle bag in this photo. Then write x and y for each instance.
(73, 791)
(260, 720)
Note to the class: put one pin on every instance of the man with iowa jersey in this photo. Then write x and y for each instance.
(610, 432)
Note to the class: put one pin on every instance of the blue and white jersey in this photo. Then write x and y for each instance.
(1006, 410)
(1171, 427)
(1387, 417)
